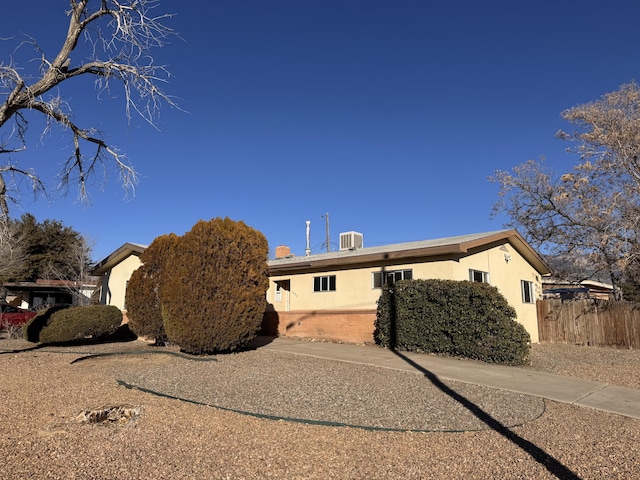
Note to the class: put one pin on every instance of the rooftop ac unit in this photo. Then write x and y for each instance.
(351, 240)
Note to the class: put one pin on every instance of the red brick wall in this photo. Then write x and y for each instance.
(351, 326)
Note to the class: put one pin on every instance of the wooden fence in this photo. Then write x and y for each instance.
(589, 322)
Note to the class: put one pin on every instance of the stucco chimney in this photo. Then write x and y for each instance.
(282, 251)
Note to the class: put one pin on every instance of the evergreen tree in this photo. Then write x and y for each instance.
(51, 251)
(143, 290)
(213, 299)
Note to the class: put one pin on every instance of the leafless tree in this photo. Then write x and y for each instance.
(109, 40)
(11, 251)
(607, 133)
(77, 260)
(591, 213)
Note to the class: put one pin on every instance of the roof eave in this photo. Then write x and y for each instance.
(116, 257)
(518, 242)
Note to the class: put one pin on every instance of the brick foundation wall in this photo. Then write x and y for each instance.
(351, 326)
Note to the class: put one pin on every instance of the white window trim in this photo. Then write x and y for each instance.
(329, 289)
(526, 285)
(402, 271)
(485, 275)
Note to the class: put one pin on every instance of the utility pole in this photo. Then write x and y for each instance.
(328, 240)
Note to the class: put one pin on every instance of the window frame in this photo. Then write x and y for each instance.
(527, 288)
(324, 283)
(405, 274)
(485, 276)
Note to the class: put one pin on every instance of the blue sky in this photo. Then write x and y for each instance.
(388, 116)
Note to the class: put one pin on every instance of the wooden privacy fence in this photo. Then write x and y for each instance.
(589, 322)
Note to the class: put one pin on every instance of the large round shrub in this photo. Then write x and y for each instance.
(79, 323)
(465, 319)
(143, 289)
(213, 295)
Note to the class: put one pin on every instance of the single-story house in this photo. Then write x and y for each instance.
(555, 288)
(115, 272)
(333, 295)
(45, 292)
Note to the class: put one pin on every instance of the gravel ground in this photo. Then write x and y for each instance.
(609, 365)
(400, 425)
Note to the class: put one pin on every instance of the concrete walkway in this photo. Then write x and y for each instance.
(597, 395)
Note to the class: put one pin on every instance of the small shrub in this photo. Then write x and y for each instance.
(31, 330)
(11, 331)
(78, 323)
(465, 319)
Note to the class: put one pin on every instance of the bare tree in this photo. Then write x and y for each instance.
(11, 251)
(74, 271)
(607, 133)
(109, 40)
(591, 213)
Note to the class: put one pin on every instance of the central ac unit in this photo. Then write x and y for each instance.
(351, 240)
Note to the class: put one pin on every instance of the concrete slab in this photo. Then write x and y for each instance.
(597, 395)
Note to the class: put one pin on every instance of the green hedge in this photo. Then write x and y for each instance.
(462, 319)
(78, 323)
(31, 330)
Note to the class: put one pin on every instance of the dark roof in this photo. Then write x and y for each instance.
(458, 245)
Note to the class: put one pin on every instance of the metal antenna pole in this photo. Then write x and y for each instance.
(328, 238)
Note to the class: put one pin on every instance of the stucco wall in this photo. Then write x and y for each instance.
(355, 291)
(114, 283)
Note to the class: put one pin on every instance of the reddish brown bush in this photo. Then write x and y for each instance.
(213, 295)
(143, 290)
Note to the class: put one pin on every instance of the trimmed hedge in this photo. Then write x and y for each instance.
(31, 330)
(143, 290)
(213, 298)
(78, 323)
(463, 319)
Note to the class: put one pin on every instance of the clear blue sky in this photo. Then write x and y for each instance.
(387, 115)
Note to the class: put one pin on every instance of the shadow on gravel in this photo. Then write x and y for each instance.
(121, 335)
(538, 454)
(20, 350)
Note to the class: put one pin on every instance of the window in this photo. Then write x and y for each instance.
(478, 276)
(527, 291)
(278, 292)
(390, 277)
(324, 284)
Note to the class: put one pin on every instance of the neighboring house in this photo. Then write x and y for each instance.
(565, 290)
(42, 293)
(333, 295)
(115, 272)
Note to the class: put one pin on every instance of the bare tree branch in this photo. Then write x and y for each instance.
(117, 37)
(591, 213)
(11, 250)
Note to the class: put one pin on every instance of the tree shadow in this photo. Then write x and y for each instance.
(121, 335)
(538, 454)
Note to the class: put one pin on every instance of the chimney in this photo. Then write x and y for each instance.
(282, 251)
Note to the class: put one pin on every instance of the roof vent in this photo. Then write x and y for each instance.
(351, 240)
